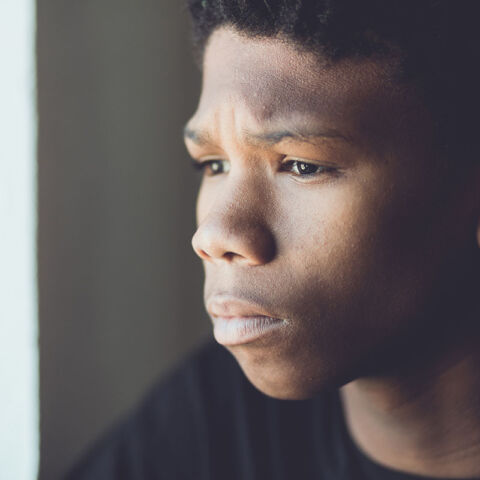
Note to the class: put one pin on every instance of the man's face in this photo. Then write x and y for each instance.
(327, 226)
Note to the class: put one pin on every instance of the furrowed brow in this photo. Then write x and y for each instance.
(274, 137)
(269, 138)
(196, 136)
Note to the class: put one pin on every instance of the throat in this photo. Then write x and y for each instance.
(424, 423)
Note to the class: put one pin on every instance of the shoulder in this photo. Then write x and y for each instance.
(205, 420)
(172, 422)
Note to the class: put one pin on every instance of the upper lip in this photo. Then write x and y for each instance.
(226, 306)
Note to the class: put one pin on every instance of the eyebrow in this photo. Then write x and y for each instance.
(201, 138)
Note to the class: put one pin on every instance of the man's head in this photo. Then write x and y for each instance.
(331, 199)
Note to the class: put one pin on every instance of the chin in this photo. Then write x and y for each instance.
(285, 377)
(285, 389)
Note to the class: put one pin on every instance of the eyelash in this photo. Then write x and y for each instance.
(204, 165)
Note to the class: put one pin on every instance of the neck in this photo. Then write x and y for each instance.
(423, 421)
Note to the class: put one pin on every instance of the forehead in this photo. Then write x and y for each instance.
(270, 80)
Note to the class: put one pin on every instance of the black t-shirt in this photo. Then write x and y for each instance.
(207, 422)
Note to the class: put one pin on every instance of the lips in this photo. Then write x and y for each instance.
(237, 321)
(228, 306)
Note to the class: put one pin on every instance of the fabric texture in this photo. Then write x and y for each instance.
(205, 421)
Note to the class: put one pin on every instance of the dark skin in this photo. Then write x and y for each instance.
(326, 203)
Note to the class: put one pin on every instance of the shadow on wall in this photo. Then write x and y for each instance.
(120, 288)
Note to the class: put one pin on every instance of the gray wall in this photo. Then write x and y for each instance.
(120, 289)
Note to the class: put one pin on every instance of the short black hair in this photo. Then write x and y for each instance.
(436, 41)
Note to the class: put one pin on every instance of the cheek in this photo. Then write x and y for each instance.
(343, 249)
(328, 229)
(364, 250)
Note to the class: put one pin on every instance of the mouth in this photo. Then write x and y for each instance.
(237, 322)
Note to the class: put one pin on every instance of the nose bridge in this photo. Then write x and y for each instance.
(235, 226)
(244, 198)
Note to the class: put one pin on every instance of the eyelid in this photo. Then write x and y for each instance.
(323, 168)
(204, 162)
(288, 158)
(208, 158)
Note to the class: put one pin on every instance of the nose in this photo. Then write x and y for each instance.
(234, 231)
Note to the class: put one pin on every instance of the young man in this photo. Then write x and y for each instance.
(339, 227)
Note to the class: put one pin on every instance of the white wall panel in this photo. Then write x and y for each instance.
(18, 310)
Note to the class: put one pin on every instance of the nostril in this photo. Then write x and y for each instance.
(247, 243)
(229, 256)
(203, 254)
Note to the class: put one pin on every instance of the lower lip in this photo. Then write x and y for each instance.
(231, 331)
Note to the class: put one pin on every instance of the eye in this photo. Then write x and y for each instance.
(214, 166)
(302, 168)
